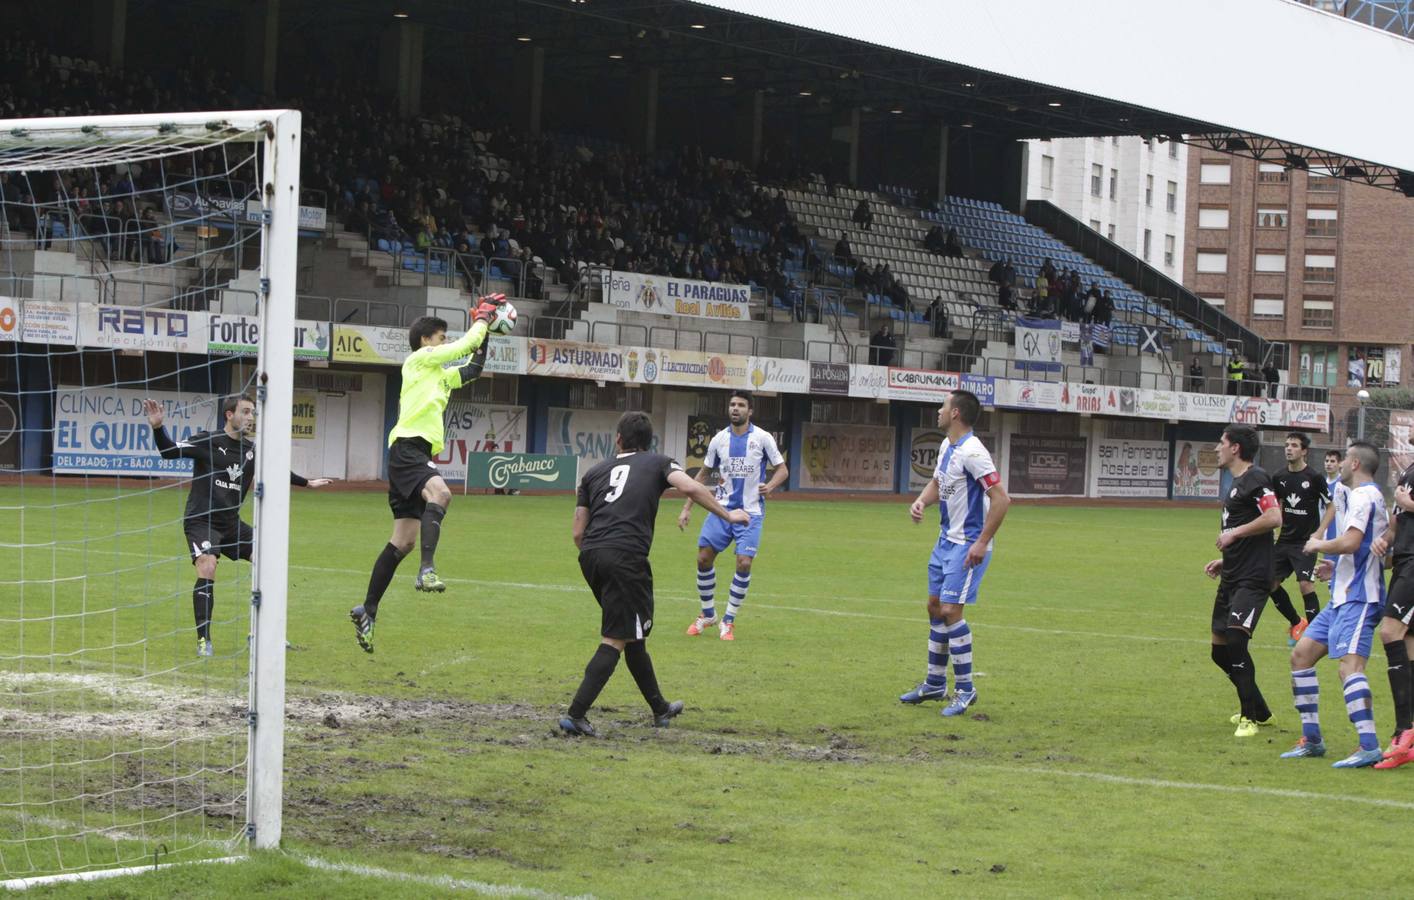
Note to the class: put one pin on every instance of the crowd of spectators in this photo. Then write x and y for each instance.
(1056, 294)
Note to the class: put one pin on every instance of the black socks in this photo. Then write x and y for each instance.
(431, 531)
(383, 570)
(596, 675)
(203, 601)
(640, 666)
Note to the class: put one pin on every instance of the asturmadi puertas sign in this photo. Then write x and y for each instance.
(678, 296)
(567, 359)
(789, 376)
(228, 335)
(142, 328)
(522, 471)
(479, 428)
(1039, 395)
(1126, 468)
(847, 457)
(922, 385)
(103, 431)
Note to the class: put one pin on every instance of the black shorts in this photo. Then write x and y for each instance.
(1239, 606)
(622, 582)
(1288, 560)
(410, 466)
(205, 537)
(1399, 603)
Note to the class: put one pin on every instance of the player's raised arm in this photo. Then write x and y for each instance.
(168, 448)
(482, 314)
(699, 494)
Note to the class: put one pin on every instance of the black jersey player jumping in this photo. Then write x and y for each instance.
(223, 463)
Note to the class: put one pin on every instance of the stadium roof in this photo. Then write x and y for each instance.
(1265, 73)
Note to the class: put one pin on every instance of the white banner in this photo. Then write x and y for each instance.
(586, 433)
(922, 385)
(506, 355)
(1038, 395)
(103, 431)
(678, 296)
(142, 328)
(479, 428)
(789, 376)
(228, 335)
(1126, 468)
(567, 359)
(868, 381)
(49, 322)
(9, 319)
(1216, 408)
(1038, 343)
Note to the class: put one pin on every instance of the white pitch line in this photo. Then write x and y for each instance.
(1284, 793)
(444, 882)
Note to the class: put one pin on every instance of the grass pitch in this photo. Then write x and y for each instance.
(1099, 757)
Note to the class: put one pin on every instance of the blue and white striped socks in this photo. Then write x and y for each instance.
(737, 596)
(706, 590)
(1307, 694)
(1362, 715)
(937, 654)
(960, 646)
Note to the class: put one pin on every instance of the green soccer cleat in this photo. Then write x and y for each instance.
(1245, 728)
(363, 628)
(1264, 723)
(428, 581)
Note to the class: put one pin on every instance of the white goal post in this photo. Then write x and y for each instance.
(44, 146)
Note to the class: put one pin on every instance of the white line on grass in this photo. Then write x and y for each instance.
(445, 882)
(1285, 793)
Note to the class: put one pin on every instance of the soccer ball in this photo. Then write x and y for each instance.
(504, 321)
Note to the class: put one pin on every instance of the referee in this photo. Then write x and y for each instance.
(613, 529)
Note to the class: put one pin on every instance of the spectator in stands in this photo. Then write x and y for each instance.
(153, 241)
(881, 347)
(1009, 273)
(996, 272)
(1195, 376)
(863, 215)
(864, 277)
(1236, 372)
(1048, 269)
(934, 241)
(898, 294)
(359, 220)
(1040, 300)
(937, 316)
(1092, 302)
(1272, 377)
(952, 244)
(844, 254)
(1104, 309)
(1006, 296)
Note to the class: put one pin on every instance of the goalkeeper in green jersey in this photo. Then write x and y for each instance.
(416, 492)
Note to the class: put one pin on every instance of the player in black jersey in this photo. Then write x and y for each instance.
(223, 463)
(613, 529)
(1250, 514)
(1398, 615)
(1303, 495)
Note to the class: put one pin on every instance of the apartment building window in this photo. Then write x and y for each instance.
(1217, 301)
(1321, 222)
(1320, 267)
(1110, 231)
(1148, 239)
(1114, 184)
(1271, 173)
(1271, 217)
(1321, 179)
(1212, 262)
(1148, 190)
(1268, 309)
(1172, 202)
(1097, 176)
(1115, 140)
(1215, 173)
(1151, 143)
(1271, 262)
(1169, 242)
(1173, 149)
(1048, 171)
(1317, 365)
(1318, 312)
(1095, 225)
(1212, 217)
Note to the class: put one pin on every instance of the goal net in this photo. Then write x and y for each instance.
(141, 259)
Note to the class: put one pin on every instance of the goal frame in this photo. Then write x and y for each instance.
(280, 134)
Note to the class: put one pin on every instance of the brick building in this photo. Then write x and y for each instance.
(1322, 264)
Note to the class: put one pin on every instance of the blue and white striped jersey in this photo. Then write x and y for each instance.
(741, 460)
